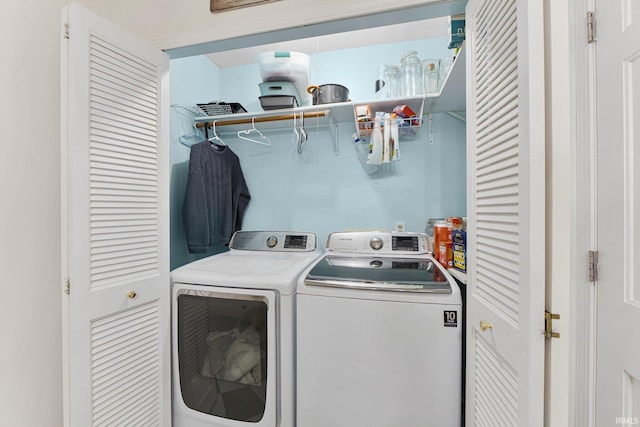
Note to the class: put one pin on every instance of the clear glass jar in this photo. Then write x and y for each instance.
(388, 82)
(430, 76)
(411, 68)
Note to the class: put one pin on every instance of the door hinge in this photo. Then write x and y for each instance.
(548, 325)
(591, 27)
(67, 287)
(66, 31)
(592, 273)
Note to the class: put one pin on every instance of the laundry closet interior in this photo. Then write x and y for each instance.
(328, 186)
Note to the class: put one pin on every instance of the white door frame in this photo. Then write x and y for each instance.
(583, 293)
(570, 360)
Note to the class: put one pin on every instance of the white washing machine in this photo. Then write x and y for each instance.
(233, 331)
(379, 335)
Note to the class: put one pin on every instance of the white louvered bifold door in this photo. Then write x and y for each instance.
(115, 226)
(506, 213)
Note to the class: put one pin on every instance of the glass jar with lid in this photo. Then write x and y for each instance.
(387, 85)
(411, 68)
(430, 76)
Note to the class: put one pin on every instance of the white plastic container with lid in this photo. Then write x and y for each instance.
(278, 66)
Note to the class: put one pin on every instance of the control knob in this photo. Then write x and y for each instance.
(376, 243)
(272, 241)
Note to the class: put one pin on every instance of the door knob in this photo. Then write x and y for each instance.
(132, 294)
(485, 325)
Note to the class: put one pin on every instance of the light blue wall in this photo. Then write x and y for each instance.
(320, 191)
(193, 80)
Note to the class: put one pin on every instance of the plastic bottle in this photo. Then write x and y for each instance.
(395, 138)
(375, 147)
(386, 144)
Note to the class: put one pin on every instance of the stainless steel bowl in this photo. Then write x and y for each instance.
(328, 93)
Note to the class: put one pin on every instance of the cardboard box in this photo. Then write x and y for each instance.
(459, 246)
(456, 31)
(404, 111)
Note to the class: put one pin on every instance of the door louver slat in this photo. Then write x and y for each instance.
(123, 100)
(113, 136)
(497, 65)
(123, 145)
(107, 84)
(122, 117)
(111, 72)
(500, 142)
(125, 366)
(123, 58)
(108, 96)
(496, 388)
(111, 101)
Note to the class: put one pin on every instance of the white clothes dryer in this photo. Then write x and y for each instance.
(233, 331)
(379, 337)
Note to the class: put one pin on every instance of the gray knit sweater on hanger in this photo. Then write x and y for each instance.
(216, 196)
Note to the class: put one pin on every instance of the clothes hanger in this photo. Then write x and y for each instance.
(216, 137)
(263, 141)
(190, 139)
(303, 134)
(296, 135)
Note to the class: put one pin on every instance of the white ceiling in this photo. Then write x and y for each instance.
(437, 27)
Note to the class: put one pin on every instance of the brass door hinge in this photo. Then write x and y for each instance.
(548, 325)
(66, 31)
(67, 287)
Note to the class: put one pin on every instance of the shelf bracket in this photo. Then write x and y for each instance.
(458, 116)
(334, 133)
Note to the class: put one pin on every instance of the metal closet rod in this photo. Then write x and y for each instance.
(310, 114)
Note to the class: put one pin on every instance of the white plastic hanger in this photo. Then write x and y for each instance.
(263, 139)
(216, 137)
(303, 134)
(192, 138)
(296, 135)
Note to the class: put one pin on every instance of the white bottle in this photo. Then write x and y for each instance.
(395, 138)
(386, 146)
(375, 146)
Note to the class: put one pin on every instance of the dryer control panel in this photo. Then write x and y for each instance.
(275, 241)
(379, 242)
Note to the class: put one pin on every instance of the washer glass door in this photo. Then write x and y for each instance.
(224, 342)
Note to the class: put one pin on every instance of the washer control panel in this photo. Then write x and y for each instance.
(284, 241)
(382, 242)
